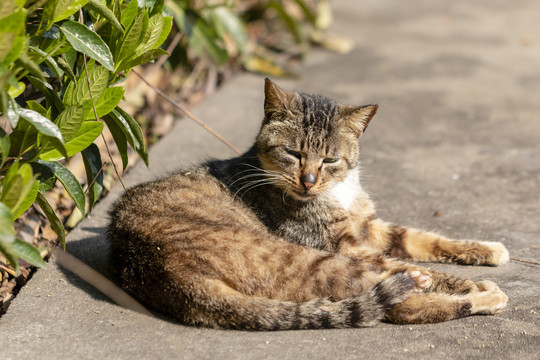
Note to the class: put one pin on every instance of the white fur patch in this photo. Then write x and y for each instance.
(500, 254)
(347, 191)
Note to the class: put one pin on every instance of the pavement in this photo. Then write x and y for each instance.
(454, 148)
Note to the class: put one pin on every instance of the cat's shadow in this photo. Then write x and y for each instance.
(94, 251)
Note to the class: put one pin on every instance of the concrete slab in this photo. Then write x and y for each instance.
(456, 135)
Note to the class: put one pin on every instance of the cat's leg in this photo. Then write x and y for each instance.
(445, 297)
(432, 307)
(418, 245)
(216, 304)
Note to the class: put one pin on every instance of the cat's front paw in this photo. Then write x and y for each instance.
(488, 302)
(422, 278)
(498, 253)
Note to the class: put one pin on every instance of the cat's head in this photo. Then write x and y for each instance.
(308, 143)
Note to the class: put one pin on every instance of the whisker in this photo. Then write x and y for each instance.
(252, 185)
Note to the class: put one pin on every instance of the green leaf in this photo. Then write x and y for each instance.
(30, 66)
(12, 113)
(56, 224)
(133, 36)
(10, 173)
(7, 232)
(20, 190)
(69, 122)
(28, 253)
(45, 176)
(16, 90)
(88, 132)
(14, 47)
(37, 107)
(11, 191)
(49, 61)
(94, 173)
(50, 94)
(13, 23)
(102, 9)
(60, 148)
(106, 103)
(72, 186)
(287, 19)
(151, 36)
(167, 26)
(154, 6)
(79, 93)
(6, 249)
(28, 195)
(129, 13)
(7, 40)
(110, 33)
(119, 138)
(148, 56)
(62, 63)
(7, 7)
(4, 146)
(42, 124)
(203, 38)
(88, 42)
(227, 22)
(132, 130)
(57, 10)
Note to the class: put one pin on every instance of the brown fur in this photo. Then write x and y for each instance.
(284, 237)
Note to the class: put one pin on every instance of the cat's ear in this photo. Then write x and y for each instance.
(276, 99)
(357, 118)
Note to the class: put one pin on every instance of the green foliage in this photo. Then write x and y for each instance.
(219, 32)
(59, 63)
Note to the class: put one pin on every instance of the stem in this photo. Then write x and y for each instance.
(189, 115)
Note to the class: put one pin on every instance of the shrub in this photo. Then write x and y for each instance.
(60, 62)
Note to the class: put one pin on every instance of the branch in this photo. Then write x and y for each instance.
(189, 115)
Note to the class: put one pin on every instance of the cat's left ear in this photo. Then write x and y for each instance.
(357, 118)
(275, 99)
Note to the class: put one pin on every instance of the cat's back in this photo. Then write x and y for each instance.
(173, 221)
(183, 199)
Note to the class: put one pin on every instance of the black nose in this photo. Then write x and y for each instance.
(308, 180)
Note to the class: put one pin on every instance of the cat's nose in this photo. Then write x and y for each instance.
(308, 180)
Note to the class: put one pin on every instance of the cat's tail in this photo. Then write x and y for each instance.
(232, 309)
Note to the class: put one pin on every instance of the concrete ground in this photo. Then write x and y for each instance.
(454, 148)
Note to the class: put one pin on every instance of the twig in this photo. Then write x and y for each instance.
(95, 177)
(99, 281)
(189, 115)
(524, 261)
(170, 49)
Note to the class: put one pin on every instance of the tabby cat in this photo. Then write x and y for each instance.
(284, 237)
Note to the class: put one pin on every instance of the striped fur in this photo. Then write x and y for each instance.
(284, 237)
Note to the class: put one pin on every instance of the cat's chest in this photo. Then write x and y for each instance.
(321, 223)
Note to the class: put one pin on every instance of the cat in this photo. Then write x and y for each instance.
(284, 237)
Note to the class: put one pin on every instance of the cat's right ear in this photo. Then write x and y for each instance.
(275, 99)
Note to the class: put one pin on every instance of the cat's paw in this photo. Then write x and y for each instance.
(488, 302)
(498, 253)
(394, 289)
(486, 285)
(422, 278)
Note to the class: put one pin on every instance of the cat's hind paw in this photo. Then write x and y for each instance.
(422, 278)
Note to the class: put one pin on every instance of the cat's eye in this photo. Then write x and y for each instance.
(294, 153)
(330, 160)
